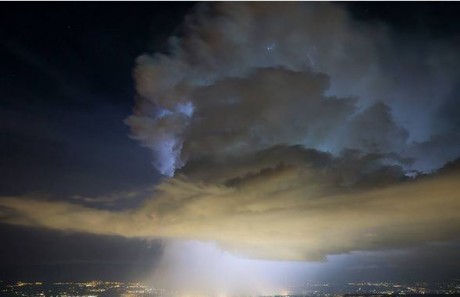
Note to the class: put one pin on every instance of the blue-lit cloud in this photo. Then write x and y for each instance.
(300, 73)
(287, 131)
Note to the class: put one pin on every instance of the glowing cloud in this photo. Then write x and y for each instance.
(263, 74)
(240, 115)
(303, 205)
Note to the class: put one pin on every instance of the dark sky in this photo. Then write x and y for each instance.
(65, 88)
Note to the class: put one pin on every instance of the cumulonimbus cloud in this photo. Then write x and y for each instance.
(285, 135)
(246, 76)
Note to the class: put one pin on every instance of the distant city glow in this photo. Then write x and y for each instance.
(126, 289)
(203, 267)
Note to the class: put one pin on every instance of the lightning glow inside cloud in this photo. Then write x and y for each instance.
(259, 75)
(287, 131)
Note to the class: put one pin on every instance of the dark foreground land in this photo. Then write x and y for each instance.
(122, 289)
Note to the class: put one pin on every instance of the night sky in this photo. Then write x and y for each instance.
(66, 87)
(320, 138)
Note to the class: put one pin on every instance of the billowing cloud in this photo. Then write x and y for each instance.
(286, 131)
(247, 76)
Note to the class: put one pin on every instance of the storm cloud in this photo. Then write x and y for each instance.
(304, 205)
(287, 131)
(247, 76)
